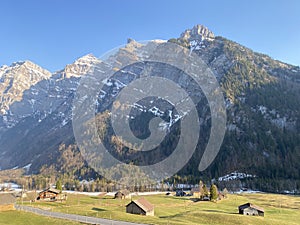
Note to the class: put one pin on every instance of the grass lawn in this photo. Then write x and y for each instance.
(21, 218)
(279, 209)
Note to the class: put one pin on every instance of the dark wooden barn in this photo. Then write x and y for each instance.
(122, 194)
(140, 207)
(251, 210)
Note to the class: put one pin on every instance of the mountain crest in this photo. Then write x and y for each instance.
(89, 58)
(23, 68)
(198, 32)
(16, 79)
(81, 66)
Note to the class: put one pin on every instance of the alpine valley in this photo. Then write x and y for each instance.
(261, 147)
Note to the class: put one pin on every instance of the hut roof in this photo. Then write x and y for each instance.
(241, 207)
(53, 190)
(123, 192)
(143, 204)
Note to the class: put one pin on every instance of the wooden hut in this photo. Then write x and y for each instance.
(140, 207)
(122, 194)
(7, 201)
(250, 209)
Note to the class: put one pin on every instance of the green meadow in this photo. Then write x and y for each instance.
(279, 209)
(21, 218)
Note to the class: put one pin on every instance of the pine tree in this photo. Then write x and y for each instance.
(205, 191)
(201, 190)
(59, 185)
(213, 192)
(225, 192)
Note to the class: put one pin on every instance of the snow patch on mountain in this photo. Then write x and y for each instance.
(274, 116)
(27, 167)
(156, 111)
(107, 82)
(235, 176)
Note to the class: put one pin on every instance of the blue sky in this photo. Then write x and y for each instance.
(53, 33)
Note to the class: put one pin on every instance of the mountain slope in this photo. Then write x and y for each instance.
(262, 102)
(34, 126)
(263, 112)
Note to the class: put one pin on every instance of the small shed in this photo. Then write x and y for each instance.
(122, 194)
(250, 209)
(221, 196)
(7, 201)
(181, 193)
(140, 207)
(51, 194)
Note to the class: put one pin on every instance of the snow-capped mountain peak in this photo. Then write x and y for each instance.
(18, 69)
(87, 59)
(16, 79)
(80, 67)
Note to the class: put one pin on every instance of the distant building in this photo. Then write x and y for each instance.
(140, 207)
(7, 201)
(122, 194)
(220, 196)
(181, 193)
(250, 209)
(195, 192)
(51, 194)
(205, 198)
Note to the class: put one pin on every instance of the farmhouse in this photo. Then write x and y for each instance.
(141, 207)
(122, 194)
(51, 194)
(250, 209)
(7, 201)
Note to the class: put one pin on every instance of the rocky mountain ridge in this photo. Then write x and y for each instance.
(17, 78)
(29, 90)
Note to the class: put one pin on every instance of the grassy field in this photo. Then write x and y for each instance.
(21, 218)
(279, 209)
